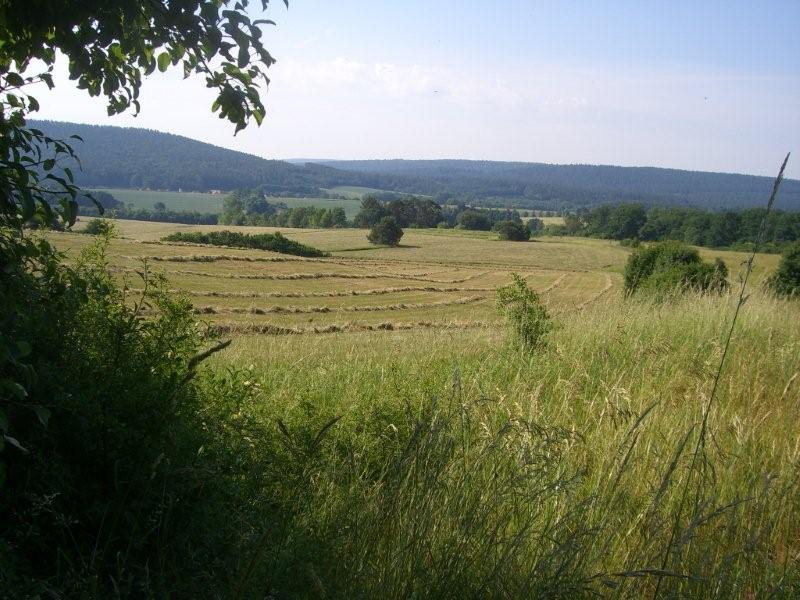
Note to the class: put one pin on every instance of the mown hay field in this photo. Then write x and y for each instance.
(430, 458)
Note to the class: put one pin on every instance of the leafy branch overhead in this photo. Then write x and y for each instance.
(111, 45)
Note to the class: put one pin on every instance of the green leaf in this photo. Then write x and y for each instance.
(3, 422)
(43, 414)
(163, 61)
(14, 442)
(23, 349)
(49, 164)
(14, 79)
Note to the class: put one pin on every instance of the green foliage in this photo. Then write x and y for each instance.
(786, 279)
(103, 227)
(535, 226)
(474, 219)
(693, 226)
(250, 207)
(667, 268)
(514, 231)
(386, 232)
(274, 242)
(523, 310)
(371, 212)
(130, 40)
(119, 468)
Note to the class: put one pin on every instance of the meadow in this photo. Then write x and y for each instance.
(212, 203)
(409, 450)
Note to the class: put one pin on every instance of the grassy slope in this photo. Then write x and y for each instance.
(550, 448)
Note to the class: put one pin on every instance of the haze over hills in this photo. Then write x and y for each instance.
(130, 157)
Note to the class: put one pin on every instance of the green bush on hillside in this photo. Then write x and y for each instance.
(672, 267)
(274, 242)
(786, 280)
(386, 232)
(514, 231)
(525, 313)
(102, 227)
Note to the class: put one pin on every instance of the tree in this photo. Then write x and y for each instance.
(513, 231)
(159, 207)
(386, 232)
(786, 279)
(110, 47)
(535, 226)
(371, 212)
(474, 219)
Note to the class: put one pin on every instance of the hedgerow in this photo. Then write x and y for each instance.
(274, 242)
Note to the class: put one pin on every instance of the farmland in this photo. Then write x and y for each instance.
(582, 444)
(212, 203)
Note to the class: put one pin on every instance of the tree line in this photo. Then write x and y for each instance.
(728, 229)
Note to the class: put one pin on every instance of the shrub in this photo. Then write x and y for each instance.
(102, 227)
(525, 313)
(672, 267)
(114, 458)
(514, 231)
(786, 280)
(474, 219)
(535, 226)
(274, 242)
(386, 231)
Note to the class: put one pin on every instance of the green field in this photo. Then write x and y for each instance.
(212, 203)
(358, 192)
(427, 457)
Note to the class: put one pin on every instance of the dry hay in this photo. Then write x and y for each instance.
(270, 329)
(213, 310)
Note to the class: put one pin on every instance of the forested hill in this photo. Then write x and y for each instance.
(140, 158)
(586, 184)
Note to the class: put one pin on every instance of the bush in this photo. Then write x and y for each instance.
(672, 267)
(386, 231)
(102, 227)
(514, 231)
(474, 219)
(535, 226)
(525, 313)
(786, 280)
(115, 457)
(274, 242)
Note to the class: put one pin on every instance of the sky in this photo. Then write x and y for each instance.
(684, 84)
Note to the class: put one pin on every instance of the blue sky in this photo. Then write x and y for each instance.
(697, 85)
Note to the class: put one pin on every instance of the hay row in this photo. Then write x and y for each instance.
(598, 295)
(297, 276)
(336, 293)
(214, 310)
(555, 284)
(269, 329)
(210, 258)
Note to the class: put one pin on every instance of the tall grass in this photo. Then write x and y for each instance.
(473, 470)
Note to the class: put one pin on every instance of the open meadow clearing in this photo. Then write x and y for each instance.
(212, 203)
(413, 448)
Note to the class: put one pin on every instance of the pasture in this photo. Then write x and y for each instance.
(212, 203)
(422, 444)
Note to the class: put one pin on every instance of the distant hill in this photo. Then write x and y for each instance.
(585, 184)
(141, 158)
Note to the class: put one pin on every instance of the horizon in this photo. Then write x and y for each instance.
(681, 87)
(321, 160)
